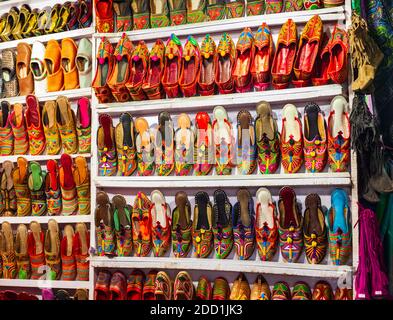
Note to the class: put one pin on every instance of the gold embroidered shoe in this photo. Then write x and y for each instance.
(225, 60)
(52, 134)
(81, 175)
(6, 134)
(66, 123)
(18, 124)
(138, 67)
(20, 177)
(125, 145)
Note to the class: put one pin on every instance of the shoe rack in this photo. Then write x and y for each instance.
(302, 182)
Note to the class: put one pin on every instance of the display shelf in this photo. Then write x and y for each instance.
(44, 157)
(6, 5)
(227, 100)
(45, 219)
(40, 284)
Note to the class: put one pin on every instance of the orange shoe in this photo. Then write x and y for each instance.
(69, 51)
(172, 67)
(338, 56)
(55, 79)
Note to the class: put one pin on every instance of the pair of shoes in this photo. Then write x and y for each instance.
(12, 295)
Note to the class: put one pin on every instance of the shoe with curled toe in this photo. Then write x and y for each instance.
(68, 187)
(190, 67)
(52, 189)
(20, 176)
(203, 144)
(240, 289)
(81, 174)
(6, 133)
(165, 145)
(122, 222)
(36, 183)
(245, 52)
(125, 145)
(107, 156)
(183, 288)
(159, 14)
(19, 130)
(225, 60)
(206, 83)
(141, 225)
(172, 67)
(202, 234)
(246, 146)
(260, 289)
(35, 130)
(161, 223)
(145, 148)
(138, 67)
(105, 229)
(83, 125)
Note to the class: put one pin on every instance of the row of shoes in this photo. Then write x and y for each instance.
(158, 285)
(61, 294)
(23, 22)
(135, 146)
(132, 73)
(12, 295)
(36, 130)
(149, 224)
(142, 14)
(27, 190)
(35, 254)
(39, 69)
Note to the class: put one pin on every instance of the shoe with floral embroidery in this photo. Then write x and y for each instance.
(135, 283)
(52, 250)
(322, 291)
(245, 51)
(101, 288)
(181, 226)
(139, 61)
(81, 175)
(260, 290)
(23, 268)
(35, 130)
(203, 144)
(68, 254)
(66, 123)
(20, 177)
(161, 223)
(52, 189)
(141, 225)
(8, 195)
(18, 125)
(235, 8)
(206, 83)
(274, 6)
(152, 85)
(204, 289)
(83, 125)
(164, 286)
(35, 248)
(221, 290)
(183, 288)
(122, 222)
(107, 156)
(36, 183)
(281, 291)
(240, 288)
(255, 7)
(190, 67)
(338, 48)
(125, 145)
(105, 229)
(293, 5)
(144, 148)
(165, 145)
(225, 60)
(149, 286)
(104, 15)
(52, 133)
(6, 134)
(246, 146)
(118, 286)
(184, 141)
(81, 244)
(7, 251)
(216, 10)
(202, 234)
(172, 67)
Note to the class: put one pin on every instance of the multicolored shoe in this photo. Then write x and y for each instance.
(67, 252)
(35, 249)
(260, 290)
(172, 67)
(68, 187)
(204, 289)
(6, 133)
(81, 244)
(23, 197)
(240, 288)
(322, 291)
(23, 268)
(216, 11)
(107, 156)
(246, 146)
(206, 83)
(141, 225)
(338, 47)
(34, 126)
(52, 250)
(18, 125)
(313, 4)
(125, 145)
(203, 144)
(178, 12)
(144, 142)
(52, 133)
(36, 183)
(105, 228)
(52, 189)
(123, 225)
(7, 251)
(8, 206)
(141, 16)
(149, 286)
(184, 142)
(196, 11)
(135, 283)
(163, 286)
(293, 5)
(235, 9)
(274, 6)
(255, 7)
(66, 123)
(165, 146)
(301, 291)
(221, 290)
(183, 288)
(190, 67)
(81, 175)
(101, 288)
(181, 226)
(202, 234)
(281, 291)
(161, 223)
(138, 66)
(225, 60)
(245, 51)
(159, 14)
(83, 125)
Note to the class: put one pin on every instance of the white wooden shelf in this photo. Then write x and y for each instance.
(226, 100)
(45, 219)
(44, 157)
(41, 284)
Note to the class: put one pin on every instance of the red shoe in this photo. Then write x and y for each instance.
(35, 130)
(135, 285)
(338, 49)
(320, 75)
(118, 286)
(104, 15)
(190, 69)
(225, 60)
(172, 67)
(138, 67)
(245, 51)
(206, 84)
(149, 287)
(101, 289)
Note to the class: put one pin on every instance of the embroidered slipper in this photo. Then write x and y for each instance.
(38, 68)
(246, 146)
(23, 71)
(36, 183)
(65, 118)
(81, 294)
(291, 140)
(206, 81)
(281, 291)
(159, 14)
(8, 71)
(20, 177)
(118, 286)
(196, 11)
(23, 268)
(181, 226)
(221, 290)
(52, 250)
(290, 225)
(266, 227)
(315, 234)
(240, 289)
(53, 19)
(202, 234)
(164, 286)
(68, 254)
(313, 4)
(204, 289)
(301, 291)
(144, 148)
(135, 283)
(52, 189)
(245, 52)
(122, 223)
(139, 61)
(106, 146)
(125, 144)
(216, 10)
(178, 12)
(81, 176)
(35, 248)
(68, 187)
(8, 252)
(63, 18)
(255, 7)
(149, 286)
(81, 244)
(322, 291)
(83, 125)
(34, 126)
(52, 58)
(141, 16)
(104, 15)
(235, 8)
(52, 133)
(24, 13)
(161, 223)
(338, 49)
(320, 74)
(18, 125)
(172, 67)
(260, 290)
(101, 288)
(8, 190)
(69, 52)
(222, 224)
(84, 62)
(165, 162)
(74, 13)
(225, 60)
(105, 229)
(6, 135)
(203, 144)
(190, 67)
(123, 12)
(184, 139)
(343, 294)
(141, 225)
(293, 5)
(315, 138)
(183, 288)
(86, 13)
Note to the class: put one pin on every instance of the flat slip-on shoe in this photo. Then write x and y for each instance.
(260, 289)
(101, 288)
(206, 80)
(52, 250)
(145, 148)
(301, 291)
(9, 76)
(73, 21)
(43, 21)
(215, 10)
(55, 77)
(118, 286)
(159, 14)
(149, 286)
(240, 289)
(20, 177)
(281, 291)
(23, 269)
(184, 141)
(221, 290)
(225, 61)
(9, 205)
(84, 63)
(68, 186)
(52, 189)
(64, 16)
(83, 125)
(18, 125)
(12, 19)
(246, 146)
(204, 289)
(161, 223)
(163, 286)
(181, 226)
(81, 294)
(122, 222)
(183, 287)
(172, 67)
(320, 74)
(123, 12)
(54, 17)
(35, 248)
(81, 244)
(135, 282)
(6, 133)
(141, 14)
(138, 66)
(255, 7)
(235, 8)
(51, 130)
(106, 147)
(66, 122)
(81, 175)
(177, 12)
(322, 291)
(141, 225)
(36, 183)
(125, 145)
(202, 234)
(245, 51)
(105, 21)
(35, 130)
(68, 254)
(86, 13)
(105, 228)
(203, 144)
(338, 66)
(38, 68)
(165, 145)
(190, 67)
(293, 5)
(7, 251)
(313, 4)
(23, 70)
(69, 51)
(196, 11)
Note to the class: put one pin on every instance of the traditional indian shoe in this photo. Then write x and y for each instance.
(309, 42)
(246, 146)
(10, 86)
(181, 226)
(183, 288)
(55, 77)
(267, 139)
(274, 6)
(149, 286)
(221, 290)
(240, 289)
(184, 141)
(68, 254)
(105, 63)
(338, 48)
(223, 140)
(141, 225)
(106, 146)
(245, 52)
(84, 62)
(172, 67)
(105, 228)
(81, 294)
(343, 294)
(293, 5)
(23, 268)
(18, 125)
(203, 144)
(104, 15)
(291, 140)
(34, 126)
(7, 251)
(52, 189)
(122, 222)
(69, 52)
(165, 162)
(204, 289)
(301, 291)
(222, 224)
(86, 13)
(255, 7)
(65, 118)
(73, 18)
(24, 13)
(38, 68)
(118, 286)
(163, 287)
(81, 176)
(159, 14)
(52, 250)
(196, 11)
(339, 133)
(12, 19)
(281, 291)
(144, 148)
(141, 14)
(315, 138)
(225, 60)
(313, 4)
(202, 233)
(260, 289)
(125, 145)
(243, 219)
(284, 56)
(322, 291)
(152, 85)
(135, 283)
(332, 3)
(235, 9)
(123, 12)
(68, 186)
(338, 227)
(139, 62)
(266, 226)
(44, 21)
(263, 58)
(161, 223)
(101, 288)
(23, 70)
(121, 70)
(177, 12)
(216, 10)
(35, 248)
(208, 52)
(53, 19)
(52, 133)
(81, 249)
(20, 177)
(36, 183)
(83, 125)
(6, 134)
(314, 229)
(30, 28)
(190, 67)
(9, 204)
(320, 74)
(290, 226)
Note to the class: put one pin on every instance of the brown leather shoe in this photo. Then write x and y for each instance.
(23, 71)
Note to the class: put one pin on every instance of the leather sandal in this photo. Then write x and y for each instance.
(165, 145)
(141, 225)
(172, 67)
(20, 177)
(190, 67)
(104, 15)
(55, 77)
(123, 11)
(107, 156)
(36, 183)
(68, 186)
(24, 14)
(23, 70)
(206, 83)
(139, 61)
(123, 225)
(18, 125)
(105, 228)
(125, 145)
(245, 51)
(86, 13)
(203, 144)
(64, 17)
(68, 64)
(161, 223)
(152, 85)
(81, 176)
(184, 141)
(225, 60)
(144, 148)
(181, 226)
(159, 14)
(246, 145)
(52, 189)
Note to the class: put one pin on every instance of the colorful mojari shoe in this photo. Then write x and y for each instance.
(222, 225)
(291, 140)
(240, 289)
(144, 148)
(141, 16)
(81, 243)
(35, 248)
(255, 7)
(285, 55)
(221, 290)
(149, 286)
(315, 138)
(52, 189)
(314, 229)
(196, 11)
(107, 156)
(123, 12)
(274, 6)
(164, 287)
(83, 125)
(177, 12)
(281, 291)
(165, 162)
(203, 144)
(135, 285)
(36, 183)
(322, 291)
(105, 228)
(340, 239)
(18, 125)
(246, 146)
(216, 10)
(190, 67)
(260, 290)
(139, 61)
(172, 67)
(290, 226)
(343, 294)
(52, 133)
(225, 60)
(202, 234)
(84, 62)
(7, 251)
(105, 21)
(301, 291)
(267, 139)
(118, 286)
(52, 250)
(23, 268)
(234, 9)
(320, 74)
(183, 288)
(122, 223)
(6, 134)
(101, 288)
(293, 5)
(20, 177)
(206, 83)
(35, 130)
(66, 123)
(266, 227)
(181, 226)
(245, 51)
(68, 187)
(161, 223)
(313, 4)
(184, 141)
(338, 48)
(81, 175)
(204, 289)
(125, 145)
(141, 225)
(159, 14)
(339, 133)
(8, 195)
